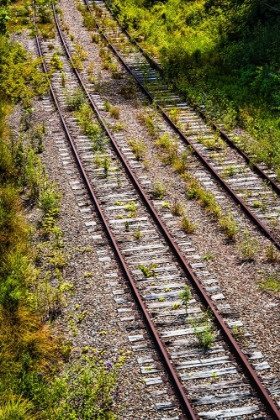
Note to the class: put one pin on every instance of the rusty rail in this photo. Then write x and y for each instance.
(252, 376)
(263, 229)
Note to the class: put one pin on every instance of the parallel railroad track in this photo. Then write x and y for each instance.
(250, 186)
(170, 274)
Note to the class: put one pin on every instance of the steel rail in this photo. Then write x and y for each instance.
(265, 231)
(185, 404)
(215, 126)
(252, 376)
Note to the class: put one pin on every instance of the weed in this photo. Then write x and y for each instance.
(180, 162)
(177, 209)
(132, 208)
(166, 205)
(117, 127)
(56, 62)
(146, 164)
(149, 123)
(165, 143)
(158, 189)
(229, 171)
(106, 166)
(270, 283)
(229, 226)
(208, 257)
(271, 254)
(127, 227)
(185, 296)
(175, 306)
(115, 112)
(205, 198)
(204, 330)
(107, 106)
(161, 299)
(95, 38)
(238, 332)
(187, 225)
(76, 100)
(249, 247)
(138, 147)
(138, 234)
(259, 205)
(148, 271)
(63, 79)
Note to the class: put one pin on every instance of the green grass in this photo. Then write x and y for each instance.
(220, 55)
(270, 283)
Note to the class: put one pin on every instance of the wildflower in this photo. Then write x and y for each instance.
(108, 365)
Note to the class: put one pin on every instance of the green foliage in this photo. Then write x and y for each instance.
(270, 283)
(20, 77)
(85, 390)
(4, 18)
(187, 225)
(85, 120)
(75, 100)
(148, 271)
(222, 55)
(139, 148)
(229, 226)
(248, 247)
(158, 189)
(204, 330)
(185, 295)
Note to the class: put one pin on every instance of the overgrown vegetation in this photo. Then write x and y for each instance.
(222, 55)
(32, 286)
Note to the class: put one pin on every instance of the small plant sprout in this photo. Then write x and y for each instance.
(214, 376)
(166, 205)
(249, 247)
(127, 227)
(175, 306)
(208, 257)
(138, 234)
(106, 166)
(185, 295)
(161, 299)
(132, 208)
(148, 271)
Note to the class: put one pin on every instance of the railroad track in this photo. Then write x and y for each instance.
(251, 186)
(157, 288)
